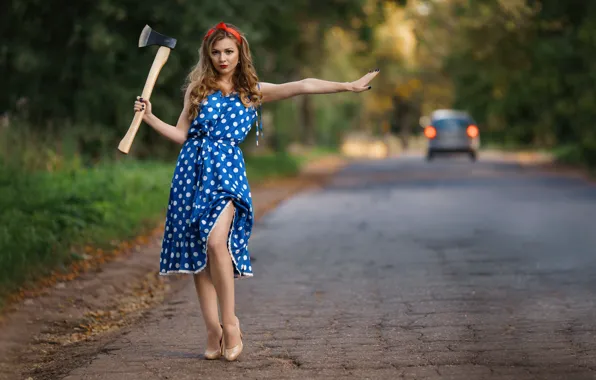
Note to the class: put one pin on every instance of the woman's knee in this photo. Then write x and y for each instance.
(217, 242)
(217, 248)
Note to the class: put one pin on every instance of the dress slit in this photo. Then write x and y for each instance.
(230, 232)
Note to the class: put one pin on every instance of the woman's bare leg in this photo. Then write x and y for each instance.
(208, 301)
(222, 274)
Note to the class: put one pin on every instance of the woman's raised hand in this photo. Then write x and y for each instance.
(362, 84)
(143, 105)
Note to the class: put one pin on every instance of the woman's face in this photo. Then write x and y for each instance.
(224, 56)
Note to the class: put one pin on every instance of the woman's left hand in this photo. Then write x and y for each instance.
(362, 84)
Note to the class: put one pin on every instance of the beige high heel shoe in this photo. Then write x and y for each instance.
(232, 354)
(216, 354)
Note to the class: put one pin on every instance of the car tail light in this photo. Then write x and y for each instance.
(430, 132)
(472, 131)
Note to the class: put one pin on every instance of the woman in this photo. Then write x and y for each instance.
(210, 216)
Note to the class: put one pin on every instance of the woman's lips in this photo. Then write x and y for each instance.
(223, 66)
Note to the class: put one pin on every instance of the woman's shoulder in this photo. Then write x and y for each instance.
(200, 89)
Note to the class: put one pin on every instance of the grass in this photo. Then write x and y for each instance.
(581, 155)
(568, 154)
(48, 216)
(260, 167)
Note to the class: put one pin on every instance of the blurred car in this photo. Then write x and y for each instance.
(451, 131)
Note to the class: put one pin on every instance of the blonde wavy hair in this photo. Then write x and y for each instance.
(202, 80)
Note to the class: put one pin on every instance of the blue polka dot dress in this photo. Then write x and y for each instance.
(210, 175)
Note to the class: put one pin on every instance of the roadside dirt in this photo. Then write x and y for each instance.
(75, 317)
(541, 161)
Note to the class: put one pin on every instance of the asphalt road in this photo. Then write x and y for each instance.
(399, 269)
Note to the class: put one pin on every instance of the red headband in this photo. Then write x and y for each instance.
(223, 26)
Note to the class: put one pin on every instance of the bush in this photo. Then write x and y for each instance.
(588, 152)
(581, 154)
(47, 214)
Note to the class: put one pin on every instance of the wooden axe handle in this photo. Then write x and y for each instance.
(160, 59)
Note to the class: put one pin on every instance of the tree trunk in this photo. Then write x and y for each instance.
(307, 119)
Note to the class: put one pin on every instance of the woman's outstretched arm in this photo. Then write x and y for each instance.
(272, 92)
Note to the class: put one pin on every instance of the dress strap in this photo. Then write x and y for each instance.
(259, 125)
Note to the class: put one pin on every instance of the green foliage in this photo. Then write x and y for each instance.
(524, 69)
(262, 167)
(70, 74)
(84, 67)
(46, 216)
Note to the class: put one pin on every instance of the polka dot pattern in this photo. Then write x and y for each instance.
(210, 175)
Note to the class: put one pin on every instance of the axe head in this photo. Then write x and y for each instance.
(151, 37)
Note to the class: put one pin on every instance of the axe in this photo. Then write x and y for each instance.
(166, 44)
